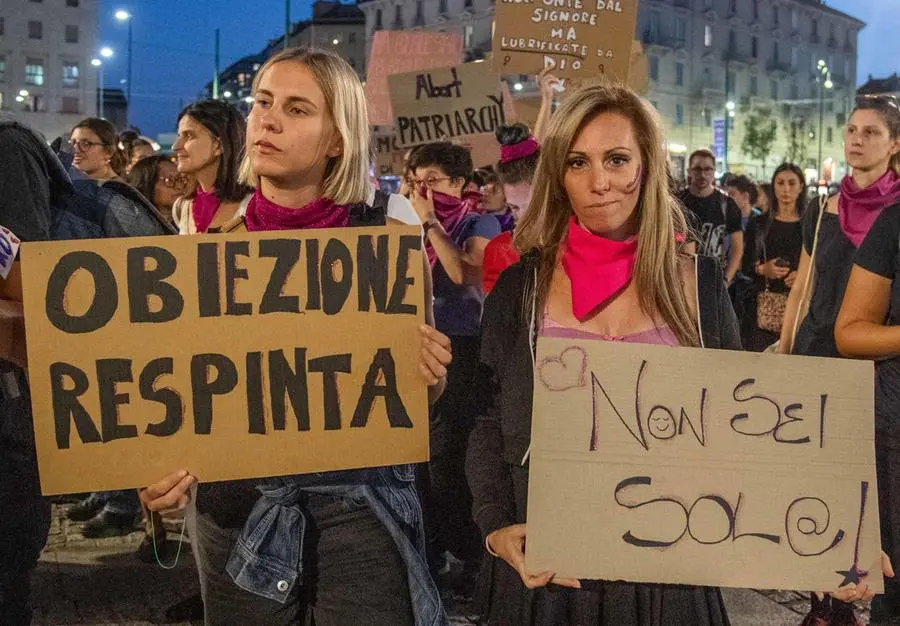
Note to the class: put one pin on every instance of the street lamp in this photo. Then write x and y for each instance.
(518, 86)
(824, 80)
(125, 16)
(106, 53)
(227, 94)
(24, 93)
(729, 110)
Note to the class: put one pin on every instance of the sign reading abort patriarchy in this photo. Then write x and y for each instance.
(446, 103)
(232, 356)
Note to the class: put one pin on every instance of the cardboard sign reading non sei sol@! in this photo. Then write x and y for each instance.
(702, 467)
(232, 356)
(578, 39)
(446, 103)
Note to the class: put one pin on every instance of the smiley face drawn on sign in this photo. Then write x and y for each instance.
(661, 424)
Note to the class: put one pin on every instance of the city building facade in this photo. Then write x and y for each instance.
(889, 86)
(46, 77)
(333, 26)
(701, 55)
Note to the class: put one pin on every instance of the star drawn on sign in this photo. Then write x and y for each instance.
(854, 574)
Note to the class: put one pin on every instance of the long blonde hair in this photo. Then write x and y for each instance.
(347, 175)
(660, 217)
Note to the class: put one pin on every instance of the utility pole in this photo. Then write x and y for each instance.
(287, 23)
(215, 93)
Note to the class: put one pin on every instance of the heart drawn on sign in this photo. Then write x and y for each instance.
(567, 371)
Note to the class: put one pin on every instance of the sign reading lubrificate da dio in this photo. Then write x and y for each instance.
(580, 39)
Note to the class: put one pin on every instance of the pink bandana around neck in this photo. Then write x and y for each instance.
(263, 214)
(599, 268)
(859, 208)
(203, 209)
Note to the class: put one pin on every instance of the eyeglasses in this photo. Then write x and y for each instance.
(703, 170)
(429, 182)
(84, 144)
(178, 181)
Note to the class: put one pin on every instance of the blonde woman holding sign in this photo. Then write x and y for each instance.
(600, 261)
(338, 547)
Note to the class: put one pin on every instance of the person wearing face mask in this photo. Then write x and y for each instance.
(717, 217)
(210, 142)
(774, 242)
(869, 316)
(600, 260)
(456, 235)
(336, 547)
(95, 146)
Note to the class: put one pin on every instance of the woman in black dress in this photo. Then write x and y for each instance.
(776, 255)
(600, 185)
(832, 240)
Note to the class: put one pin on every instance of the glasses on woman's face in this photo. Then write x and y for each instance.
(84, 144)
(429, 182)
(175, 181)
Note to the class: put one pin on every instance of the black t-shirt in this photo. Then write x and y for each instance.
(832, 265)
(716, 218)
(880, 254)
(784, 240)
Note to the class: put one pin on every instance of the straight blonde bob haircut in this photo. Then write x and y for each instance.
(346, 176)
(660, 217)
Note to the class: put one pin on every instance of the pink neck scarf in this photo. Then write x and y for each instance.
(203, 209)
(263, 214)
(859, 208)
(599, 268)
(450, 212)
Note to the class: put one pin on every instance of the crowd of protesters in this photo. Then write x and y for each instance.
(576, 231)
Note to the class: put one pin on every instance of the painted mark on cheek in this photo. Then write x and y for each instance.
(636, 181)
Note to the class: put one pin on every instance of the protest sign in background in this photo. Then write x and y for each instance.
(446, 103)
(704, 467)
(397, 52)
(576, 38)
(231, 356)
(388, 153)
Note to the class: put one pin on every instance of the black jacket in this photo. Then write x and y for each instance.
(494, 465)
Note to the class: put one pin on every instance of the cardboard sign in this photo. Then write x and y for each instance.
(703, 467)
(398, 52)
(232, 356)
(576, 38)
(484, 148)
(389, 155)
(446, 103)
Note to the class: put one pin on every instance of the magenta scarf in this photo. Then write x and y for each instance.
(450, 212)
(203, 209)
(859, 208)
(520, 150)
(263, 214)
(599, 268)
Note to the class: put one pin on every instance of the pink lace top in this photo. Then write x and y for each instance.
(661, 336)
